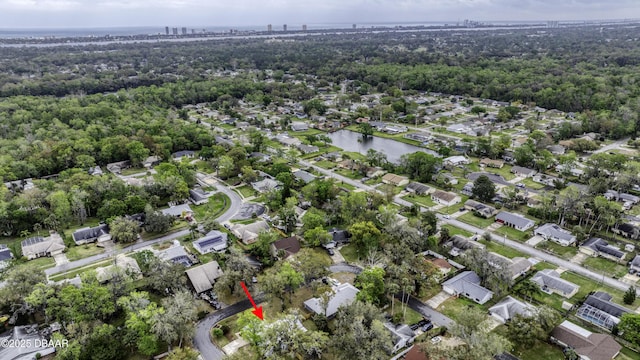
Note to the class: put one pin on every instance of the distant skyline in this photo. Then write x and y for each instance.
(199, 13)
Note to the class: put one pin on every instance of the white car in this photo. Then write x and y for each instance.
(436, 339)
(446, 216)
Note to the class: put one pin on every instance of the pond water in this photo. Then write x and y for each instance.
(354, 142)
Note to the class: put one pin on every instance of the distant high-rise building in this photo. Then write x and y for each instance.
(304, 27)
(269, 28)
(166, 30)
(553, 24)
(284, 27)
(184, 31)
(353, 26)
(175, 31)
(193, 31)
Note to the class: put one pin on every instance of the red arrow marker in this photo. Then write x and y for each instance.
(257, 310)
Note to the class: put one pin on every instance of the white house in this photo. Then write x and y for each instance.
(445, 198)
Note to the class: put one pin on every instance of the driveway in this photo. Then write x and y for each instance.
(437, 300)
(60, 259)
(246, 211)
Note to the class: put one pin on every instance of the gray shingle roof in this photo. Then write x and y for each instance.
(516, 220)
(304, 176)
(213, 241)
(601, 246)
(177, 210)
(202, 277)
(468, 282)
(90, 233)
(551, 279)
(606, 306)
(509, 307)
(418, 188)
(555, 231)
(344, 295)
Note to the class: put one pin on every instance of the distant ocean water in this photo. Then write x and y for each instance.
(154, 30)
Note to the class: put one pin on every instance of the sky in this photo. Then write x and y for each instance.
(201, 13)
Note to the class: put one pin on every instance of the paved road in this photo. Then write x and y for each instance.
(202, 341)
(512, 244)
(543, 255)
(236, 203)
(612, 146)
(427, 311)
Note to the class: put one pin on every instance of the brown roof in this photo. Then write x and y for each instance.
(415, 353)
(443, 195)
(393, 178)
(595, 346)
(290, 245)
(488, 161)
(441, 263)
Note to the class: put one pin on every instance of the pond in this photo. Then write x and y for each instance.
(354, 142)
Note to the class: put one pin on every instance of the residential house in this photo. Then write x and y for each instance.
(420, 137)
(634, 265)
(176, 254)
(39, 246)
(198, 196)
(396, 180)
(183, 154)
(117, 167)
(182, 210)
(339, 236)
(456, 160)
(556, 234)
(299, 126)
(627, 230)
(467, 284)
(515, 267)
(305, 176)
(557, 149)
(459, 244)
(550, 282)
(467, 189)
(286, 247)
(87, 235)
(628, 199)
(121, 262)
(374, 172)
(151, 161)
(523, 171)
(443, 266)
(598, 247)
(447, 178)
(515, 221)
(248, 233)
(308, 149)
(30, 344)
(480, 209)
(223, 141)
(445, 198)
(260, 157)
(286, 140)
(213, 241)
(265, 185)
(547, 180)
(599, 310)
(395, 129)
(343, 295)
(401, 335)
(498, 164)
(204, 276)
(95, 171)
(418, 188)
(459, 128)
(509, 307)
(5, 256)
(586, 344)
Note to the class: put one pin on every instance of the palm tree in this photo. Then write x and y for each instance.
(528, 289)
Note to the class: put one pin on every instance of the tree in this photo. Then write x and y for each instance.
(238, 269)
(483, 189)
(177, 322)
(629, 327)
(163, 275)
(60, 207)
(317, 236)
(365, 236)
(123, 230)
(419, 165)
(156, 222)
(360, 334)
(313, 218)
(478, 342)
(21, 280)
(524, 331)
(278, 281)
(184, 353)
(312, 266)
(366, 129)
(528, 289)
(137, 152)
(630, 295)
(371, 284)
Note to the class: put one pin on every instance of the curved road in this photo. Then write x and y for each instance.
(209, 351)
(513, 244)
(236, 204)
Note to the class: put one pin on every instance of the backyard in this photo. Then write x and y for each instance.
(476, 221)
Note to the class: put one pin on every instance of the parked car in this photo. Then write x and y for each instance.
(331, 252)
(426, 327)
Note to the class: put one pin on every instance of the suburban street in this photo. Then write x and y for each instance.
(236, 203)
(510, 243)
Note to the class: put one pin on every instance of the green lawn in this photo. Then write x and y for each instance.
(83, 251)
(505, 172)
(628, 354)
(541, 350)
(349, 253)
(246, 191)
(476, 221)
(353, 155)
(349, 174)
(325, 164)
(217, 205)
(420, 200)
(566, 252)
(497, 247)
(73, 273)
(532, 184)
(588, 285)
(452, 307)
(456, 231)
(513, 234)
(409, 317)
(607, 266)
(133, 170)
